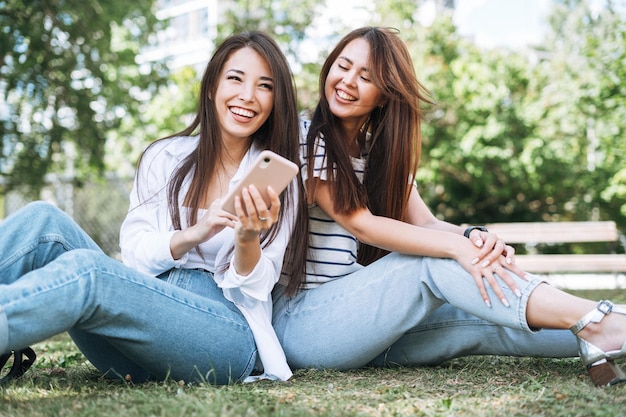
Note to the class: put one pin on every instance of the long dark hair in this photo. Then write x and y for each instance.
(394, 130)
(279, 133)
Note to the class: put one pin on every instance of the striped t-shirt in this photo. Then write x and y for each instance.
(332, 249)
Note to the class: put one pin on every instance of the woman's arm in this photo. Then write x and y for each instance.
(146, 231)
(210, 224)
(428, 237)
(254, 218)
(254, 270)
(390, 234)
(491, 246)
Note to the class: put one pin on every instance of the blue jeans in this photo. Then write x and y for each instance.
(408, 310)
(54, 278)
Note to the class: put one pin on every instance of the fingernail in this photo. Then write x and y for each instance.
(484, 264)
(488, 303)
(508, 261)
(518, 293)
(505, 302)
(475, 261)
(479, 243)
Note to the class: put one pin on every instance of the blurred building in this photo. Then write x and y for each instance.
(189, 38)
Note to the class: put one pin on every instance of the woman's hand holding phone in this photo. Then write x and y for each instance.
(249, 208)
(254, 214)
(268, 170)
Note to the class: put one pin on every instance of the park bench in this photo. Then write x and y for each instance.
(532, 234)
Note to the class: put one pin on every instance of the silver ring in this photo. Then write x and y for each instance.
(263, 219)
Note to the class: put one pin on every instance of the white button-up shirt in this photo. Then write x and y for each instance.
(145, 245)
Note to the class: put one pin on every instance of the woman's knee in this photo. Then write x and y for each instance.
(46, 218)
(86, 258)
(42, 209)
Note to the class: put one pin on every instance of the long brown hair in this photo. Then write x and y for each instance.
(279, 133)
(394, 130)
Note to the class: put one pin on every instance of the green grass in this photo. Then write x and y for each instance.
(62, 383)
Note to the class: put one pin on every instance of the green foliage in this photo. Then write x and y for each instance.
(513, 136)
(476, 138)
(170, 109)
(307, 81)
(68, 75)
(582, 109)
(521, 136)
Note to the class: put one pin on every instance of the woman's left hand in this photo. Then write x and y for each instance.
(254, 215)
(492, 248)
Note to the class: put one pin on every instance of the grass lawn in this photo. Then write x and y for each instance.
(62, 384)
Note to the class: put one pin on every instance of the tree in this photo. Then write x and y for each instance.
(68, 75)
(472, 167)
(170, 109)
(586, 104)
(513, 139)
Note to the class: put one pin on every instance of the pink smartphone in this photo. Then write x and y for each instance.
(268, 169)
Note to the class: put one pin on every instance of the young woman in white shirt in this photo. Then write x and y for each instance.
(389, 283)
(191, 300)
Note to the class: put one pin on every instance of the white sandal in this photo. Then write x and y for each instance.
(600, 364)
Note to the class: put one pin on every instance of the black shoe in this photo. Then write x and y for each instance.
(19, 364)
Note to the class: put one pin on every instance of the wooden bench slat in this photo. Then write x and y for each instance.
(572, 263)
(556, 232)
(533, 233)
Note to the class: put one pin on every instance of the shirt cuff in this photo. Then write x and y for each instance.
(254, 285)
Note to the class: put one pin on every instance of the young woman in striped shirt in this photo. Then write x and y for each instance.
(389, 283)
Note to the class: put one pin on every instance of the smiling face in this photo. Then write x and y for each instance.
(348, 87)
(245, 95)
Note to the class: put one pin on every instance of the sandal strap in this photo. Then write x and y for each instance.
(618, 309)
(596, 315)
